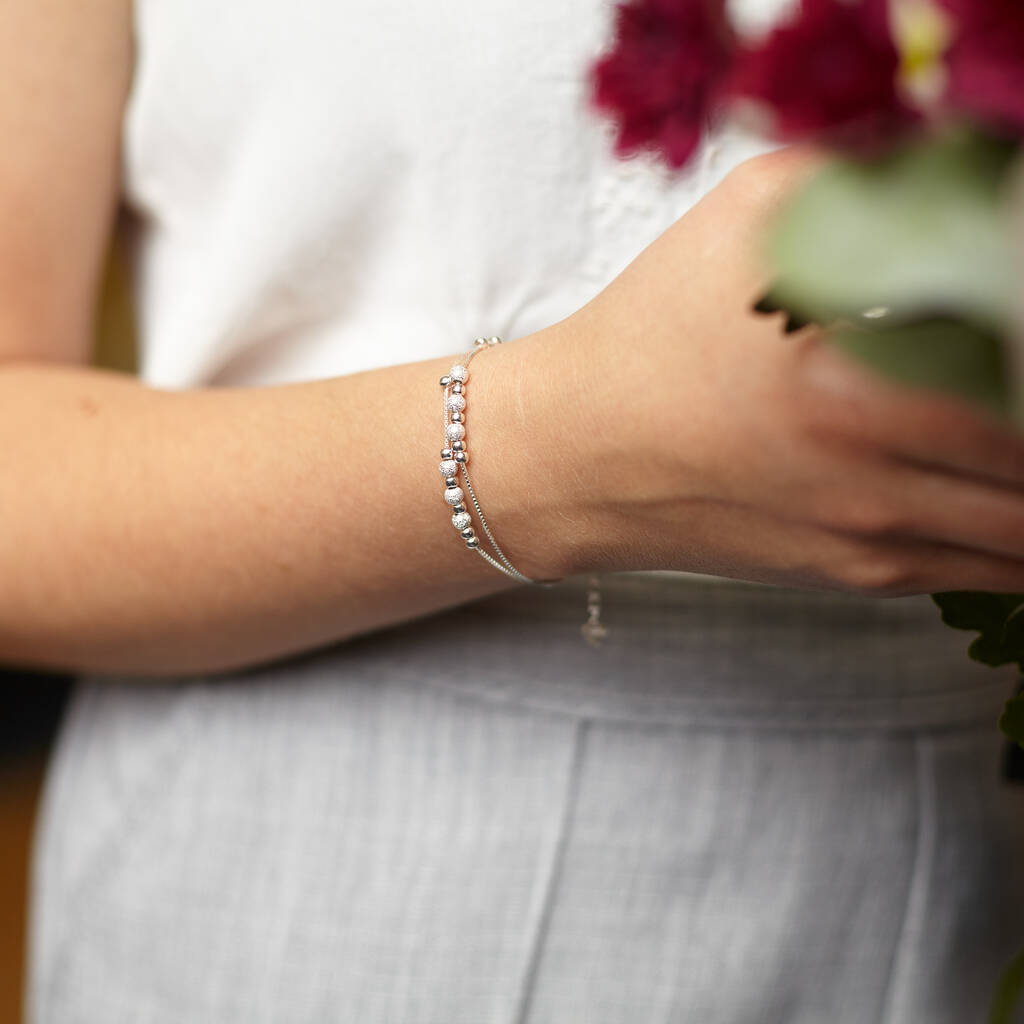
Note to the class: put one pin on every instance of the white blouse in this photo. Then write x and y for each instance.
(323, 188)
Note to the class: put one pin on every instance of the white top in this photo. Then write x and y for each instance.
(325, 188)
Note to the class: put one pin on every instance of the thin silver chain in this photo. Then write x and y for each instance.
(504, 565)
(594, 631)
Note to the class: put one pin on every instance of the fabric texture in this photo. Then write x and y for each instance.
(750, 805)
(323, 188)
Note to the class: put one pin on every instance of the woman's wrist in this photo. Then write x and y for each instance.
(529, 451)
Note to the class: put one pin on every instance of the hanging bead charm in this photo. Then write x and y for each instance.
(593, 630)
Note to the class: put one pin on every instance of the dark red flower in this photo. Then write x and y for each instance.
(663, 78)
(831, 70)
(986, 60)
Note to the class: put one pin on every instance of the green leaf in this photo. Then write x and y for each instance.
(997, 618)
(944, 354)
(1012, 722)
(768, 305)
(920, 231)
(1009, 993)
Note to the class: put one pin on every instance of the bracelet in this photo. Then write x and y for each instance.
(454, 458)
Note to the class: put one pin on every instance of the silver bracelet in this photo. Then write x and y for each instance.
(454, 458)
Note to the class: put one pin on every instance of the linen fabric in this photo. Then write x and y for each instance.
(750, 804)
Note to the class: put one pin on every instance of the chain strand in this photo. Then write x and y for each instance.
(501, 563)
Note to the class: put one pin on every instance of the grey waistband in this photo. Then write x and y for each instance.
(679, 649)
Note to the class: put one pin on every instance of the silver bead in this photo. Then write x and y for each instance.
(457, 388)
(459, 508)
(455, 432)
(451, 482)
(456, 403)
(449, 467)
(458, 373)
(460, 520)
(468, 532)
(461, 457)
(456, 417)
(454, 495)
(446, 453)
(473, 542)
(445, 381)
(458, 445)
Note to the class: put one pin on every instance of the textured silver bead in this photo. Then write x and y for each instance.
(461, 520)
(461, 457)
(473, 542)
(459, 374)
(454, 496)
(449, 467)
(454, 432)
(457, 403)
(456, 417)
(451, 482)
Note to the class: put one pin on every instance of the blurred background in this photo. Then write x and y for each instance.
(33, 703)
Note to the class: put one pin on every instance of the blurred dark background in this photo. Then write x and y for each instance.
(33, 702)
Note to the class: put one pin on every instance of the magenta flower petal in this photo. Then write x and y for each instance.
(986, 60)
(663, 78)
(830, 71)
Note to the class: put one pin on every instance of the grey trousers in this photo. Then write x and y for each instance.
(749, 805)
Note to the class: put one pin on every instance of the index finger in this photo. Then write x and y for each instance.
(850, 401)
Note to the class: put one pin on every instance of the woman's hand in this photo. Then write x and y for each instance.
(707, 440)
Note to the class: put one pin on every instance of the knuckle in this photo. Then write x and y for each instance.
(871, 517)
(746, 171)
(828, 402)
(861, 514)
(765, 176)
(879, 574)
(751, 181)
(818, 420)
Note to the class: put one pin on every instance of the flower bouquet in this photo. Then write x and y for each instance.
(909, 244)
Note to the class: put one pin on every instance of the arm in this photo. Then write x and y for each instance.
(156, 532)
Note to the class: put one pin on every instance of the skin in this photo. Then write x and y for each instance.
(661, 426)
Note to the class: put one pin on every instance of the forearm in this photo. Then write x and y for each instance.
(158, 532)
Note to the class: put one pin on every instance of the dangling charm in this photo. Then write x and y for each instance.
(593, 630)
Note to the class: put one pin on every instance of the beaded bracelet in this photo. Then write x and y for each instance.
(454, 457)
